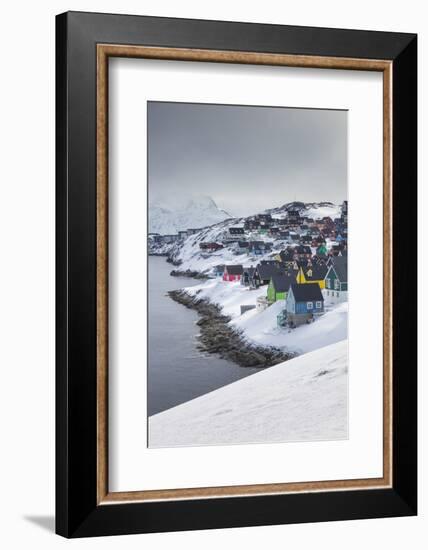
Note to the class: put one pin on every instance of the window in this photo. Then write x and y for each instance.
(318, 305)
(309, 305)
(336, 284)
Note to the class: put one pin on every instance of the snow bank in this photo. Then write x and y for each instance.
(261, 328)
(318, 212)
(304, 399)
(229, 296)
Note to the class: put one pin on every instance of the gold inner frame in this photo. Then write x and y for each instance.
(104, 52)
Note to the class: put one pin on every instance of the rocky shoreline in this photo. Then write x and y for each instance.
(216, 336)
(188, 273)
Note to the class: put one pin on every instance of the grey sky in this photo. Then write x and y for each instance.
(246, 158)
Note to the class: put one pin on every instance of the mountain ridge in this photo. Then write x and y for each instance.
(199, 212)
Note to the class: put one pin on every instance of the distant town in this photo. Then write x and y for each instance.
(300, 260)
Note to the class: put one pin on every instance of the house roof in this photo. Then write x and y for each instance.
(303, 249)
(308, 292)
(266, 271)
(281, 282)
(292, 273)
(287, 255)
(319, 272)
(234, 269)
(243, 244)
(260, 246)
(340, 265)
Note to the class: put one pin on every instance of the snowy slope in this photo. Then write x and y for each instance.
(260, 328)
(198, 212)
(315, 210)
(304, 399)
(189, 255)
(321, 211)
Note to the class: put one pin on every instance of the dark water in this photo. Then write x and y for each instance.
(177, 371)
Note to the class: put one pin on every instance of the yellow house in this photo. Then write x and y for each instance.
(314, 274)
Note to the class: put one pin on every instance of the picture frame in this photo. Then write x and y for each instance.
(84, 44)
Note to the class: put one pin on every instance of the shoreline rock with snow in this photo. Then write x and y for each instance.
(217, 336)
(188, 273)
(259, 328)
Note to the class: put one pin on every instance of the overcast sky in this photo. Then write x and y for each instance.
(246, 158)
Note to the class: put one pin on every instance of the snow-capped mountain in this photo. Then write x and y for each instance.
(201, 211)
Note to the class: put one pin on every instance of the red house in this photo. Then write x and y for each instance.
(232, 272)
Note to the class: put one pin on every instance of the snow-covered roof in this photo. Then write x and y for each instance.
(281, 283)
(308, 292)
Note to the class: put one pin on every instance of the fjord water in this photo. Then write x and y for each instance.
(177, 370)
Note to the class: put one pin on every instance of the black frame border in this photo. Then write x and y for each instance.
(77, 512)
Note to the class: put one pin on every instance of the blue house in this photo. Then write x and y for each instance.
(218, 270)
(304, 302)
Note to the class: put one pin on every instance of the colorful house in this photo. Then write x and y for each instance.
(258, 248)
(306, 239)
(232, 273)
(265, 272)
(278, 287)
(251, 225)
(248, 277)
(218, 270)
(345, 212)
(312, 274)
(241, 247)
(303, 304)
(302, 252)
(322, 250)
(236, 233)
(263, 228)
(210, 246)
(336, 280)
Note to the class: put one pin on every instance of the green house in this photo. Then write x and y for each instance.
(336, 280)
(278, 287)
(322, 250)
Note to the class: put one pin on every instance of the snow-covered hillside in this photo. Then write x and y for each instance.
(260, 327)
(189, 256)
(303, 399)
(199, 212)
(315, 210)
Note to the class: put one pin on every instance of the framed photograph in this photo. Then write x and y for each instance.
(236, 245)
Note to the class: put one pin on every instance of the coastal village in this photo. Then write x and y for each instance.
(289, 257)
(272, 291)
